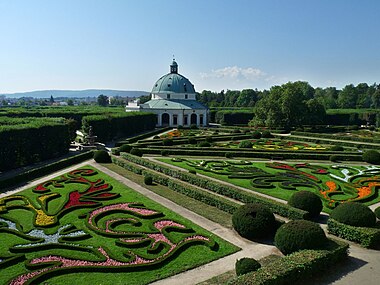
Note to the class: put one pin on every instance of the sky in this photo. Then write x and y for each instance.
(218, 45)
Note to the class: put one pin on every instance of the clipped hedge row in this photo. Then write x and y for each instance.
(225, 190)
(342, 143)
(28, 140)
(192, 192)
(366, 237)
(109, 126)
(142, 136)
(43, 170)
(330, 136)
(292, 268)
(253, 154)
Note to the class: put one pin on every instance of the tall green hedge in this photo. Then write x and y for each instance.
(107, 127)
(29, 140)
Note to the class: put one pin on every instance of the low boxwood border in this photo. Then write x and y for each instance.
(43, 170)
(366, 237)
(281, 209)
(294, 267)
(192, 192)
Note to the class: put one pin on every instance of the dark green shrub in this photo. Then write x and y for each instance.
(115, 151)
(371, 156)
(192, 171)
(192, 141)
(253, 221)
(337, 148)
(236, 131)
(245, 265)
(125, 148)
(266, 134)
(164, 152)
(235, 138)
(245, 144)
(334, 158)
(377, 212)
(307, 201)
(256, 135)
(208, 139)
(204, 144)
(180, 127)
(101, 156)
(354, 214)
(148, 180)
(193, 126)
(156, 137)
(229, 154)
(167, 142)
(136, 151)
(299, 234)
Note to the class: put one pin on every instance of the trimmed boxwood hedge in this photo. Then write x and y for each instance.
(185, 189)
(43, 170)
(301, 265)
(253, 221)
(102, 156)
(366, 237)
(245, 265)
(299, 234)
(25, 141)
(307, 201)
(225, 190)
(371, 156)
(354, 214)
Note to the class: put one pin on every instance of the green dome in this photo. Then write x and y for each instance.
(173, 82)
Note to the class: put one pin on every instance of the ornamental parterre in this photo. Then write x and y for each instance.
(339, 184)
(144, 236)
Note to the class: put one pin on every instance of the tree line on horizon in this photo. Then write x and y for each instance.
(294, 103)
(361, 96)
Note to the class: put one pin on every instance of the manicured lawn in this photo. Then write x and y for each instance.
(87, 228)
(282, 180)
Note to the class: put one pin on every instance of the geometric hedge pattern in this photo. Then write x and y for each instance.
(135, 236)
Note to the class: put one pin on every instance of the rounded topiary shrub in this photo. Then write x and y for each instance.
(193, 126)
(192, 141)
(299, 234)
(334, 158)
(266, 134)
(354, 214)
(136, 151)
(256, 135)
(148, 180)
(164, 152)
(377, 212)
(307, 201)
(253, 221)
(229, 154)
(208, 139)
(102, 156)
(337, 148)
(125, 148)
(204, 144)
(245, 265)
(156, 137)
(245, 144)
(371, 156)
(167, 142)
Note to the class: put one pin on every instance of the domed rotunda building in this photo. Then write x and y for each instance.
(173, 101)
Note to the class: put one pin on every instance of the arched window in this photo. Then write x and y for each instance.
(165, 119)
(193, 119)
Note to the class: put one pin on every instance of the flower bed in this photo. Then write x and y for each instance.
(85, 221)
(334, 184)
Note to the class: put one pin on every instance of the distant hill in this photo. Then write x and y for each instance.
(76, 93)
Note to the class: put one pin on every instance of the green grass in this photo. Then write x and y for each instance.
(190, 257)
(207, 211)
(277, 191)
